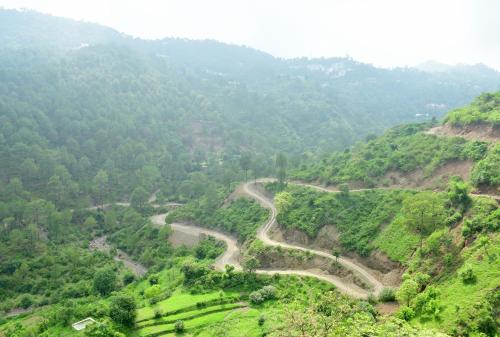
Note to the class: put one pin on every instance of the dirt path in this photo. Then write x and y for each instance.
(17, 312)
(347, 263)
(482, 132)
(230, 256)
(127, 204)
(232, 253)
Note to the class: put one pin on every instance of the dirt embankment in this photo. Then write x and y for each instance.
(437, 180)
(276, 258)
(355, 285)
(482, 132)
(252, 190)
(387, 271)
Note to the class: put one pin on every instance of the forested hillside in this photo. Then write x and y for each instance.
(412, 155)
(102, 135)
(93, 101)
(415, 208)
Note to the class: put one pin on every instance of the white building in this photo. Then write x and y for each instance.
(83, 323)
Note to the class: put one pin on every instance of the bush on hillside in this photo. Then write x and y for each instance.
(123, 310)
(158, 313)
(179, 326)
(105, 281)
(406, 313)
(263, 294)
(467, 275)
(387, 295)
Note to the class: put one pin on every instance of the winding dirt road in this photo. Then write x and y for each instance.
(232, 253)
(262, 234)
(101, 244)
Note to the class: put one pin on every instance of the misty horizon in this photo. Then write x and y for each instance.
(385, 36)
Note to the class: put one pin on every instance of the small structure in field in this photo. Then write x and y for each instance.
(83, 323)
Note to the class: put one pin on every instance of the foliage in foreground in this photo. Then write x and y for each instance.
(484, 109)
(332, 314)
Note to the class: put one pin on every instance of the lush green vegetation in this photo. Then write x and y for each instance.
(448, 243)
(241, 217)
(44, 256)
(463, 301)
(52, 274)
(358, 216)
(137, 236)
(487, 170)
(121, 118)
(484, 109)
(404, 149)
(407, 148)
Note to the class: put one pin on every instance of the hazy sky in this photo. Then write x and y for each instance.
(382, 32)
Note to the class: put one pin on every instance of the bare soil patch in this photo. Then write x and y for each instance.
(492, 191)
(385, 270)
(17, 311)
(438, 180)
(482, 132)
(387, 308)
(178, 239)
(284, 259)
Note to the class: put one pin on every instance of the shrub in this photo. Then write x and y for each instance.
(467, 276)
(43, 326)
(344, 190)
(268, 292)
(152, 291)
(466, 229)
(262, 320)
(449, 259)
(372, 299)
(179, 326)
(160, 297)
(406, 313)
(387, 295)
(26, 302)
(407, 291)
(105, 281)
(366, 306)
(123, 310)
(153, 279)
(102, 329)
(128, 278)
(453, 219)
(256, 297)
(422, 280)
(158, 313)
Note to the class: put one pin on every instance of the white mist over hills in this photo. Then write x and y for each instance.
(386, 33)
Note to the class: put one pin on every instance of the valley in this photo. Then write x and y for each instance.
(193, 188)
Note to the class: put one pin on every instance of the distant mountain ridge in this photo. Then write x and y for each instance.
(275, 104)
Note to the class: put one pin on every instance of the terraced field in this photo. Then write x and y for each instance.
(195, 311)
